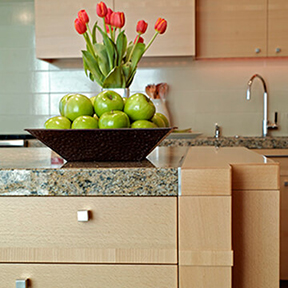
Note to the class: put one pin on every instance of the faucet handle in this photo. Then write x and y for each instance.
(274, 125)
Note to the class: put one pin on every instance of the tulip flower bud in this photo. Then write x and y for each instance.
(101, 9)
(108, 16)
(117, 19)
(80, 26)
(141, 27)
(83, 16)
(160, 25)
(140, 40)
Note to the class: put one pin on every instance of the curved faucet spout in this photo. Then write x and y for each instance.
(265, 102)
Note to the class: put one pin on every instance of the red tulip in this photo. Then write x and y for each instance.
(141, 27)
(101, 9)
(108, 16)
(140, 40)
(160, 25)
(83, 16)
(117, 19)
(80, 26)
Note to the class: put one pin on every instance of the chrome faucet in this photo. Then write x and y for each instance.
(265, 124)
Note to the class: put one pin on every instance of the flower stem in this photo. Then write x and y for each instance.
(88, 28)
(151, 41)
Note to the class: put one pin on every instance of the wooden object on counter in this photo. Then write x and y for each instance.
(232, 28)
(56, 36)
(281, 156)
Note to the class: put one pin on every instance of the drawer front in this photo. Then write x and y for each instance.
(119, 229)
(89, 276)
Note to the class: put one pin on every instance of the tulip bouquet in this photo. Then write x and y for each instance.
(113, 63)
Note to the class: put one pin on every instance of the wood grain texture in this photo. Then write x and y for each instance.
(205, 224)
(255, 238)
(176, 41)
(205, 173)
(90, 276)
(277, 28)
(205, 277)
(55, 34)
(121, 230)
(231, 28)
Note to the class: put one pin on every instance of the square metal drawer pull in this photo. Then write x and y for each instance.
(21, 283)
(83, 215)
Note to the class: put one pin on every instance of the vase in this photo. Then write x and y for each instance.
(123, 92)
(161, 107)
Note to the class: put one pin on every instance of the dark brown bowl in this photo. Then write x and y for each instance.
(125, 144)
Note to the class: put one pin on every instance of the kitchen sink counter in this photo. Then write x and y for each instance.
(248, 142)
(39, 171)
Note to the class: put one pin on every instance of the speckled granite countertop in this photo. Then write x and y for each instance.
(248, 142)
(40, 172)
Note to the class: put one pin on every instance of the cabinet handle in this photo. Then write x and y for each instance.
(278, 50)
(21, 283)
(285, 183)
(257, 50)
(82, 215)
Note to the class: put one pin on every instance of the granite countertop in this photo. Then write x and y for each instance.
(248, 142)
(41, 172)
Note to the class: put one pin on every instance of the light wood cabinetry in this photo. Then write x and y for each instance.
(179, 38)
(56, 36)
(231, 28)
(89, 276)
(281, 156)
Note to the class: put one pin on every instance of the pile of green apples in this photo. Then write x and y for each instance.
(107, 110)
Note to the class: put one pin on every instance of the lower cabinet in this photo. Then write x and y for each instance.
(88, 276)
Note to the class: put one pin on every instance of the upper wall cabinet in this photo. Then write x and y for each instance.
(56, 36)
(233, 28)
(179, 38)
(278, 28)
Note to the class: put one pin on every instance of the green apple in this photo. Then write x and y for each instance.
(139, 107)
(63, 102)
(85, 122)
(92, 99)
(58, 122)
(107, 101)
(165, 119)
(156, 119)
(143, 124)
(114, 119)
(78, 105)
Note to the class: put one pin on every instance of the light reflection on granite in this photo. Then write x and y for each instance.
(29, 171)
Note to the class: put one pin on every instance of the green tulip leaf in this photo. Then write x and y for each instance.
(92, 66)
(110, 48)
(137, 54)
(94, 40)
(128, 51)
(121, 45)
(127, 70)
(130, 80)
(115, 79)
(102, 58)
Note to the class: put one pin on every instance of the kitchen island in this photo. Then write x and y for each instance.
(185, 217)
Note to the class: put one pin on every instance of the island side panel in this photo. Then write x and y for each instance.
(205, 225)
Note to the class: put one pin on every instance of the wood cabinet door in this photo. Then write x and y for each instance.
(278, 28)
(119, 230)
(89, 276)
(56, 36)
(179, 38)
(231, 28)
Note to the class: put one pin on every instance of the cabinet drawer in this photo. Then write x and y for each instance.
(89, 276)
(119, 229)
